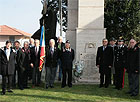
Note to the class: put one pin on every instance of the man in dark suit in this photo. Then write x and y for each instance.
(119, 62)
(67, 57)
(35, 60)
(30, 70)
(104, 62)
(18, 66)
(132, 66)
(51, 63)
(60, 45)
(8, 66)
(26, 64)
(0, 60)
(112, 44)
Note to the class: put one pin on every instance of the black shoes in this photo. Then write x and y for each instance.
(10, 91)
(100, 86)
(128, 92)
(47, 86)
(59, 79)
(63, 86)
(51, 86)
(133, 95)
(3, 93)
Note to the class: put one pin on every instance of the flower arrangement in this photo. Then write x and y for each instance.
(78, 68)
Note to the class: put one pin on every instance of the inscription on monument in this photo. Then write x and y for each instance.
(90, 72)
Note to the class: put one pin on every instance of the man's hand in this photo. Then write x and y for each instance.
(31, 65)
(98, 66)
(136, 71)
(109, 66)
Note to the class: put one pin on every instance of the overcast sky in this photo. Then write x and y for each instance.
(21, 14)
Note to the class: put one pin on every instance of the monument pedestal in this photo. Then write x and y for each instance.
(85, 32)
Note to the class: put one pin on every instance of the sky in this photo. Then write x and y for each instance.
(21, 14)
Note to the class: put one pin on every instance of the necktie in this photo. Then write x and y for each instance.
(51, 51)
(36, 52)
(8, 54)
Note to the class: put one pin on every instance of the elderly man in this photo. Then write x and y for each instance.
(104, 60)
(26, 64)
(60, 45)
(51, 64)
(67, 57)
(132, 66)
(31, 44)
(35, 60)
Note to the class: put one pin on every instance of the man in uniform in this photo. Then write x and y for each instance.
(104, 62)
(67, 57)
(119, 62)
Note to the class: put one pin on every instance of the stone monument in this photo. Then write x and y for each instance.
(85, 32)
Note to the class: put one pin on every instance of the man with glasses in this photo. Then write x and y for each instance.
(104, 61)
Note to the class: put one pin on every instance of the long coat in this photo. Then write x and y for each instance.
(8, 67)
(27, 58)
(133, 60)
(67, 58)
(104, 59)
(35, 59)
(0, 60)
(19, 59)
(51, 61)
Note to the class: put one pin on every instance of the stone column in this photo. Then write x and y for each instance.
(86, 34)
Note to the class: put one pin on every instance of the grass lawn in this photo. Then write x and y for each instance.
(78, 93)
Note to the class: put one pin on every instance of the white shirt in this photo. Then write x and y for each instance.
(8, 53)
(36, 49)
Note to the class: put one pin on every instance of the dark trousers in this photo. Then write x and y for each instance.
(25, 78)
(109, 76)
(106, 77)
(50, 75)
(20, 77)
(67, 72)
(60, 68)
(36, 78)
(4, 82)
(133, 79)
(119, 77)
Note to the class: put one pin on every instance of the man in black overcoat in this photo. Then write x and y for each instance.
(132, 67)
(7, 66)
(60, 45)
(104, 60)
(67, 57)
(18, 66)
(26, 64)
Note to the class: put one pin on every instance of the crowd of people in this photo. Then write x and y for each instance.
(19, 65)
(113, 59)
